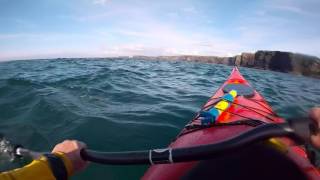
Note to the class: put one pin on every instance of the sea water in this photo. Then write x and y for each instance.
(120, 105)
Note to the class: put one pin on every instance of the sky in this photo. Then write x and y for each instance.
(31, 29)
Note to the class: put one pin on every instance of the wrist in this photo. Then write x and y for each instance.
(57, 166)
(67, 162)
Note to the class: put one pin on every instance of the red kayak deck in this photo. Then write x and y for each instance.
(254, 107)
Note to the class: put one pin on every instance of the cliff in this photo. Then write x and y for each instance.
(286, 62)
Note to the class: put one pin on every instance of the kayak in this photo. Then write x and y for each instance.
(236, 107)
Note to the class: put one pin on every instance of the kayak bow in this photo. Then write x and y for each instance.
(235, 108)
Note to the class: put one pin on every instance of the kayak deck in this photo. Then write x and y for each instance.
(241, 109)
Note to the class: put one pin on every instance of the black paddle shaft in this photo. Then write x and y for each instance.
(298, 130)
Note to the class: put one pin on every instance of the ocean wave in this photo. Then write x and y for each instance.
(124, 104)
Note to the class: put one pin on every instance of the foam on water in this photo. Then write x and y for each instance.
(6, 151)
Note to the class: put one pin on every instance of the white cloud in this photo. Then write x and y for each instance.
(303, 8)
(101, 2)
(160, 39)
(48, 45)
(52, 53)
(269, 31)
(133, 29)
(191, 10)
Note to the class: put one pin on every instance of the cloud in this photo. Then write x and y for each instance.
(53, 53)
(191, 10)
(92, 17)
(48, 45)
(161, 28)
(301, 8)
(101, 2)
(285, 25)
(154, 38)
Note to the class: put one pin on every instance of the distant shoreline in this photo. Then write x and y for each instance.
(286, 62)
(279, 61)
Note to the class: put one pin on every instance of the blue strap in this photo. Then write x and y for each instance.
(228, 97)
(207, 118)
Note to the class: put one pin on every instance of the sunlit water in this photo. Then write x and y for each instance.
(116, 105)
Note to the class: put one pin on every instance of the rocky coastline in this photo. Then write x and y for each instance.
(286, 62)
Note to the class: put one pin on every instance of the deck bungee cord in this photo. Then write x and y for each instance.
(244, 106)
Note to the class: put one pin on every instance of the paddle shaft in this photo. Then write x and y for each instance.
(168, 155)
(297, 130)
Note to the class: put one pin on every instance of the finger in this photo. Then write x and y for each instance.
(315, 140)
(80, 144)
(315, 114)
